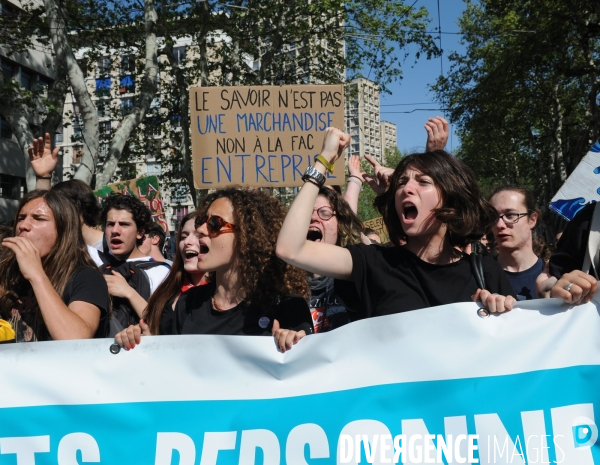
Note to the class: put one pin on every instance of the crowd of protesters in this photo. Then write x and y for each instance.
(72, 270)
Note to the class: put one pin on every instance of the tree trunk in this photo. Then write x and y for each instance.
(184, 99)
(147, 93)
(66, 58)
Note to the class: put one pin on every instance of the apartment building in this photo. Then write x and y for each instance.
(389, 138)
(112, 84)
(32, 71)
(362, 118)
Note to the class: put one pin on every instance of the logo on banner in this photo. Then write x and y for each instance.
(585, 432)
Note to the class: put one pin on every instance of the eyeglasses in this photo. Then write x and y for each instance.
(511, 218)
(215, 225)
(325, 213)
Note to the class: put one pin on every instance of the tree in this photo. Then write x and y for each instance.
(242, 42)
(524, 95)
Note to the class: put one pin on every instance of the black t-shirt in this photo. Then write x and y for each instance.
(194, 315)
(327, 312)
(523, 282)
(392, 280)
(86, 285)
(572, 246)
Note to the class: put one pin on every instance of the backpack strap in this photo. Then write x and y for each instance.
(592, 253)
(476, 261)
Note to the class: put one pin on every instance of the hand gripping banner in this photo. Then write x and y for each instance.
(439, 385)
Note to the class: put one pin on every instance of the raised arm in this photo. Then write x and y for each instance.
(292, 245)
(437, 133)
(78, 320)
(355, 181)
(43, 161)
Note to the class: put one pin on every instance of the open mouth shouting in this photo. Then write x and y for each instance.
(203, 249)
(314, 234)
(190, 255)
(409, 212)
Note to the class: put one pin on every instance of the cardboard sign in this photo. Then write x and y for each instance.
(261, 136)
(378, 225)
(581, 188)
(146, 189)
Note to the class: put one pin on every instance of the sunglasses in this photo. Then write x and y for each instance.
(215, 225)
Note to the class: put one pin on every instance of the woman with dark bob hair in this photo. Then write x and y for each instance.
(49, 286)
(434, 204)
(251, 291)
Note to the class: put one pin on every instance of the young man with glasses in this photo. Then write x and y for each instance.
(518, 215)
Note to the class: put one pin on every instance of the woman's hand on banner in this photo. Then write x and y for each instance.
(129, 337)
(285, 338)
(575, 287)
(495, 303)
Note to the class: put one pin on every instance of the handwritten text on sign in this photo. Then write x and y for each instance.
(261, 136)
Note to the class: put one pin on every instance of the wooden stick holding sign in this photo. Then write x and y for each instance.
(261, 136)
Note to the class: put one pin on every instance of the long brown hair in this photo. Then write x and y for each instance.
(349, 225)
(170, 287)
(258, 218)
(68, 254)
(466, 214)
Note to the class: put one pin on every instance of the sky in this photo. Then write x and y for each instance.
(412, 92)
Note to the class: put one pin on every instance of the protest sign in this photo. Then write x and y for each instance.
(581, 188)
(517, 388)
(378, 225)
(261, 136)
(147, 189)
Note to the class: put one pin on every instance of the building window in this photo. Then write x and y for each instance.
(126, 105)
(127, 65)
(101, 108)
(179, 194)
(153, 127)
(104, 128)
(11, 187)
(77, 154)
(127, 85)
(26, 80)
(153, 169)
(103, 87)
(179, 54)
(179, 213)
(7, 70)
(5, 131)
(103, 67)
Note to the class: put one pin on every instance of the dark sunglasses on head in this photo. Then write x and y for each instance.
(215, 225)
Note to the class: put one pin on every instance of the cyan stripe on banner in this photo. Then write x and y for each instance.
(128, 432)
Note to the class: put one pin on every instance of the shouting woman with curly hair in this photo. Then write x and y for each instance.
(332, 222)
(251, 291)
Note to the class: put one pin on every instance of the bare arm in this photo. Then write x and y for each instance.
(355, 181)
(118, 287)
(292, 245)
(43, 161)
(78, 320)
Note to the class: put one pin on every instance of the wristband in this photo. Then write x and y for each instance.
(43, 177)
(356, 177)
(326, 164)
(355, 181)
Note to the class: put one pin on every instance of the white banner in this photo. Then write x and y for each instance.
(418, 387)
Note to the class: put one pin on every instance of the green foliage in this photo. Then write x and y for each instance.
(366, 210)
(524, 95)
